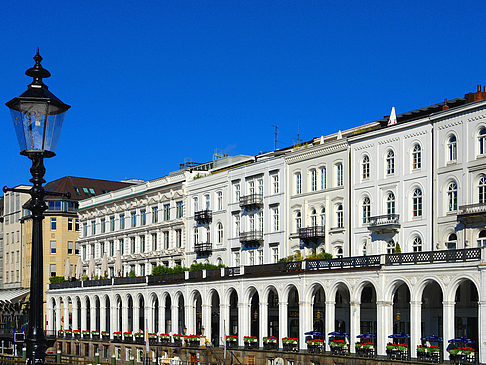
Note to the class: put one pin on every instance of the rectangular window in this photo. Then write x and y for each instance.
(179, 209)
(298, 183)
(102, 249)
(93, 227)
(70, 247)
(132, 244)
(237, 192)
(166, 212)
(260, 257)
(178, 238)
(134, 219)
(112, 248)
(237, 220)
(154, 214)
(323, 178)
(275, 255)
(85, 229)
(166, 240)
(103, 225)
(252, 258)
(112, 223)
(18, 256)
(275, 185)
(84, 253)
(142, 243)
(237, 258)
(143, 217)
(154, 241)
(52, 269)
(251, 187)
(53, 246)
(260, 186)
(340, 177)
(76, 248)
(121, 247)
(53, 224)
(220, 200)
(276, 220)
(122, 221)
(70, 224)
(93, 250)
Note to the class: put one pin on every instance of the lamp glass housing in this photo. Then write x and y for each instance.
(38, 124)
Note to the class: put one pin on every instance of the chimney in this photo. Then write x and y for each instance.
(478, 95)
(445, 106)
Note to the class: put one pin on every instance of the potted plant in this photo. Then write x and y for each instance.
(152, 337)
(105, 335)
(127, 336)
(139, 337)
(231, 340)
(76, 333)
(191, 340)
(270, 343)
(314, 345)
(289, 343)
(68, 332)
(95, 334)
(117, 336)
(250, 342)
(60, 333)
(177, 339)
(164, 338)
(85, 333)
(367, 349)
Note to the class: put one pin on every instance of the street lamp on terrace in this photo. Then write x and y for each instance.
(37, 116)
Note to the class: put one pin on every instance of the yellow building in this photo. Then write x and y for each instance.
(60, 227)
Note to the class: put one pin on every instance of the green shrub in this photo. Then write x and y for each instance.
(397, 249)
(199, 267)
(56, 279)
(131, 274)
(162, 270)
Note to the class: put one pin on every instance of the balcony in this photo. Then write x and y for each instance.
(203, 216)
(311, 233)
(384, 223)
(251, 238)
(203, 248)
(472, 213)
(250, 201)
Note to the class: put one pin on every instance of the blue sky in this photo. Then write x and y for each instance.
(152, 83)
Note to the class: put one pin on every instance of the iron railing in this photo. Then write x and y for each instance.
(384, 220)
(127, 280)
(344, 262)
(251, 200)
(465, 254)
(251, 236)
(278, 268)
(203, 216)
(311, 232)
(203, 247)
(166, 278)
(472, 208)
(66, 285)
(100, 282)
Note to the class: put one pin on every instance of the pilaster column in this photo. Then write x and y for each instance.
(75, 315)
(174, 319)
(482, 329)
(50, 318)
(113, 320)
(162, 328)
(136, 318)
(84, 317)
(206, 320)
(283, 329)
(102, 316)
(448, 325)
(58, 315)
(92, 318)
(224, 322)
(355, 318)
(263, 324)
(242, 328)
(66, 314)
(384, 322)
(124, 318)
(415, 326)
(330, 318)
(305, 322)
(150, 319)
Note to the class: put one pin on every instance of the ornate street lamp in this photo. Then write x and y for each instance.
(37, 116)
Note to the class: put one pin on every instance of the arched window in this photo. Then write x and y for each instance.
(482, 238)
(298, 221)
(366, 208)
(390, 247)
(339, 174)
(323, 217)
(196, 204)
(482, 141)
(365, 167)
(452, 196)
(196, 235)
(482, 189)
(313, 176)
(323, 178)
(417, 157)
(451, 243)
(339, 252)
(313, 218)
(452, 149)
(339, 216)
(208, 234)
(417, 244)
(390, 162)
(220, 232)
(417, 203)
(219, 261)
(364, 246)
(298, 183)
(390, 203)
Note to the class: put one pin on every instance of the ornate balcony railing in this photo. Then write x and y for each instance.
(309, 233)
(203, 247)
(166, 278)
(472, 212)
(251, 200)
(203, 216)
(65, 285)
(344, 262)
(270, 269)
(384, 222)
(251, 236)
(100, 282)
(128, 280)
(465, 254)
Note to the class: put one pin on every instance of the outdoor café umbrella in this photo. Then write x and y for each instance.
(67, 270)
(118, 264)
(104, 266)
(79, 268)
(91, 268)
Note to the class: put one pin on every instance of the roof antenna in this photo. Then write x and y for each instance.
(276, 136)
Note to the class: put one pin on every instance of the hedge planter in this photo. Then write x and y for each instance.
(128, 337)
(270, 346)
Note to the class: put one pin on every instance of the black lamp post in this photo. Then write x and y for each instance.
(37, 116)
